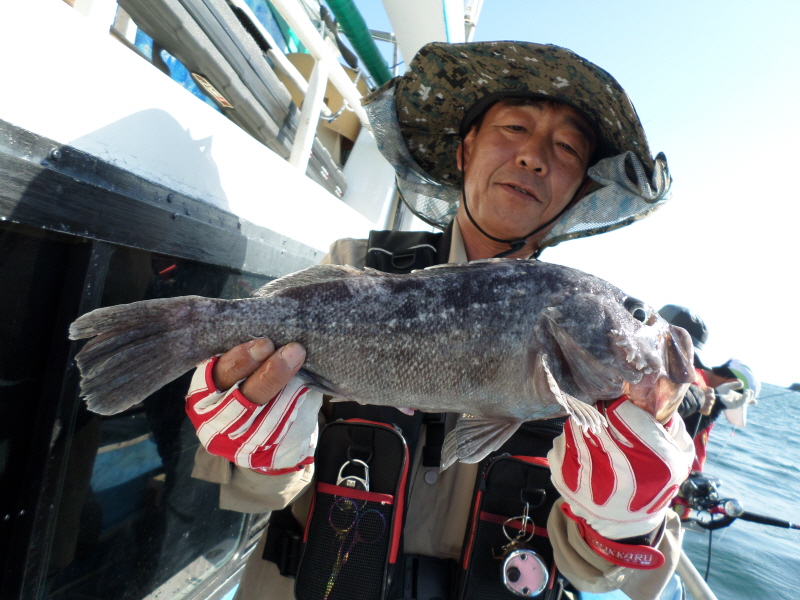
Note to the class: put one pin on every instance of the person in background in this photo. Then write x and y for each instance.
(511, 147)
(728, 388)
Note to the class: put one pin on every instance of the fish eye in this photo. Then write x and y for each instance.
(638, 310)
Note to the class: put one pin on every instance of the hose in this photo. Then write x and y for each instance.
(355, 28)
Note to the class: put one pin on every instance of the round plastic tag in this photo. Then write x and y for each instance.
(524, 573)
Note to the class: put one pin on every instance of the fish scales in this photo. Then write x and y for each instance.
(443, 342)
(501, 340)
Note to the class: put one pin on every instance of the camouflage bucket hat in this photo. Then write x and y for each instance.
(419, 119)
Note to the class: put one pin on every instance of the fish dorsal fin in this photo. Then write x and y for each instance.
(473, 264)
(312, 275)
(475, 437)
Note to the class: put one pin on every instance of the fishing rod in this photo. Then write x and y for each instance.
(703, 507)
(700, 492)
(778, 394)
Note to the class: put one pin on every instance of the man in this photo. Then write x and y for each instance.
(728, 388)
(514, 147)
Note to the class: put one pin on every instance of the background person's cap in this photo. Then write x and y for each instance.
(680, 316)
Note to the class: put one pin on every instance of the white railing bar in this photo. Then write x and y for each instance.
(309, 116)
(297, 19)
(389, 209)
(383, 36)
(277, 56)
(694, 583)
(472, 11)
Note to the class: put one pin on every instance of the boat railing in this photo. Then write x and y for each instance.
(277, 57)
(385, 36)
(692, 580)
(326, 67)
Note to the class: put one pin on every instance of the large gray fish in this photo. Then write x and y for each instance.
(501, 341)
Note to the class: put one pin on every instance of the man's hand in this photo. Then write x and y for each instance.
(695, 400)
(731, 397)
(270, 370)
(620, 480)
(248, 407)
(710, 396)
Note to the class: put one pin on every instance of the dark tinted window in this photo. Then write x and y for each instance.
(130, 520)
(33, 268)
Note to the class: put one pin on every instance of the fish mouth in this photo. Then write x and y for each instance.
(661, 391)
(654, 377)
(679, 356)
(679, 365)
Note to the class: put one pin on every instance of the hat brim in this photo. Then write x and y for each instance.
(445, 81)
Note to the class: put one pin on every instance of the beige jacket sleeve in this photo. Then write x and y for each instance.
(244, 490)
(589, 572)
(248, 491)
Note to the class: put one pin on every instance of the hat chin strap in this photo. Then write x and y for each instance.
(518, 244)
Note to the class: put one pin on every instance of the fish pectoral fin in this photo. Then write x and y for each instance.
(475, 437)
(585, 415)
(319, 384)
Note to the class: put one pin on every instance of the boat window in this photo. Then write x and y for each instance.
(125, 29)
(130, 521)
(33, 268)
(139, 522)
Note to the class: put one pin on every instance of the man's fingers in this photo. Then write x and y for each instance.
(241, 361)
(275, 373)
(709, 401)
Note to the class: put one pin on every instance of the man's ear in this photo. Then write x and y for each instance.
(463, 150)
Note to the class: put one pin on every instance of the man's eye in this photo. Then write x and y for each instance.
(572, 151)
(515, 128)
(568, 148)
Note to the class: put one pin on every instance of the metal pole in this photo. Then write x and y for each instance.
(694, 583)
(394, 57)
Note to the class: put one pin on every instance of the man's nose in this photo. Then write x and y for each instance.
(532, 154)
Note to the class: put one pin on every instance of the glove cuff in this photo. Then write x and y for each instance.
(623, 555)
(309, 460)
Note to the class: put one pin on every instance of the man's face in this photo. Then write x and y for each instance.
(524, 165)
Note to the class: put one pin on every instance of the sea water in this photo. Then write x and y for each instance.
(759, 465)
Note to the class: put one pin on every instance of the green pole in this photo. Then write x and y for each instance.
(356, 30)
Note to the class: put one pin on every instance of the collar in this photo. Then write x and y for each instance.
(458, 253)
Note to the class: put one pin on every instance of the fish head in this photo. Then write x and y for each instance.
(606, 344)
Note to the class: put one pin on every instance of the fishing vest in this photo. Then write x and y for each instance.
(350, 546)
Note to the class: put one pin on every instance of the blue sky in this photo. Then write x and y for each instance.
(716, 86)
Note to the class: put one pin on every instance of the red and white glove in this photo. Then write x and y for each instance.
(617, 482)
(274, 438)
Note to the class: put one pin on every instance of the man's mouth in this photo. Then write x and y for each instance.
(521, 190)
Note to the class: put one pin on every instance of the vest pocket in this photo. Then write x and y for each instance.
(352, 536)
(508, 484)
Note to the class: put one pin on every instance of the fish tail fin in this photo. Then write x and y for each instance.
(138, 348)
